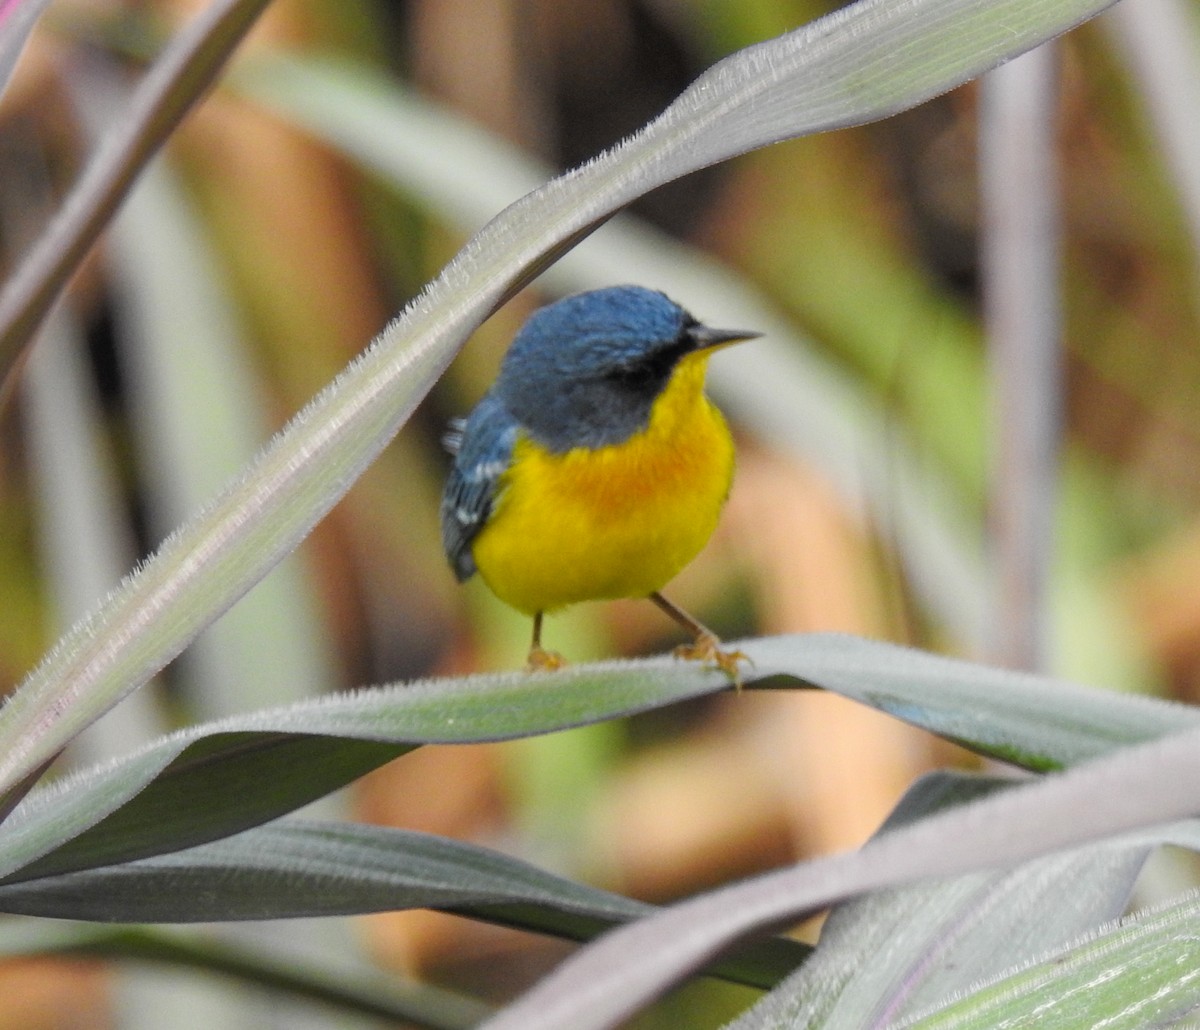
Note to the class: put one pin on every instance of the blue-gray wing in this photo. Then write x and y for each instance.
(482, 448)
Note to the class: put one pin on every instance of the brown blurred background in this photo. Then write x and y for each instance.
(866, 239)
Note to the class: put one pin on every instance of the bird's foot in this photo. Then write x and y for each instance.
(541, 660)
(707, 648)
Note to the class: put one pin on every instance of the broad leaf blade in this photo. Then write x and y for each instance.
(296, 869)
(223, 777)
(1032, 721)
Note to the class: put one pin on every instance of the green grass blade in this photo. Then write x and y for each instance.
(84, 542)
(1160, 42)
(1032, 721)
(192, 786)
(198, 405)
(1021, 268)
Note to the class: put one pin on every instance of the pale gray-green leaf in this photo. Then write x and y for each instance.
(1142, 972)
(222, 777)
(1033, 721)
(896, 951)
(1137, 787)
(219, 778)
(191, 786)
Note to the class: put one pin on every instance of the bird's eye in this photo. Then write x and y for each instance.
(645, 369)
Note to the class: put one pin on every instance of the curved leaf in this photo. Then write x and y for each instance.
(897, 951)
(611, 978)
(1032, 721)
(222, 777)
(294, 868)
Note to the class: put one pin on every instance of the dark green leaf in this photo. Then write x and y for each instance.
(223, 777)
(293, 869)
(1032, 721)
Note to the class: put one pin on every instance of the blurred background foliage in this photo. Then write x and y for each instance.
(256, 260)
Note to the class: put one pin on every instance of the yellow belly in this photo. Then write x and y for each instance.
(616, 521)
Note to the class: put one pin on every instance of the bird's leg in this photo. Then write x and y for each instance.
(706, 646)
(541, 660)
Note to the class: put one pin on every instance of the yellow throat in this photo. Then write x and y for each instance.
(615, 521)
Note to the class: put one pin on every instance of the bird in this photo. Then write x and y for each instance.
(595, 467)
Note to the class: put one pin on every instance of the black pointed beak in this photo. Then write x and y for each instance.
(704, 338)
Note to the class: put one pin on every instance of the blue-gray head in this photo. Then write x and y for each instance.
(585, 371)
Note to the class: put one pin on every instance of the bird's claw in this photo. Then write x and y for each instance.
(707, 648)
(541, 660)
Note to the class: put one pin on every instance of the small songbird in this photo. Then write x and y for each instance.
(595, 467)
